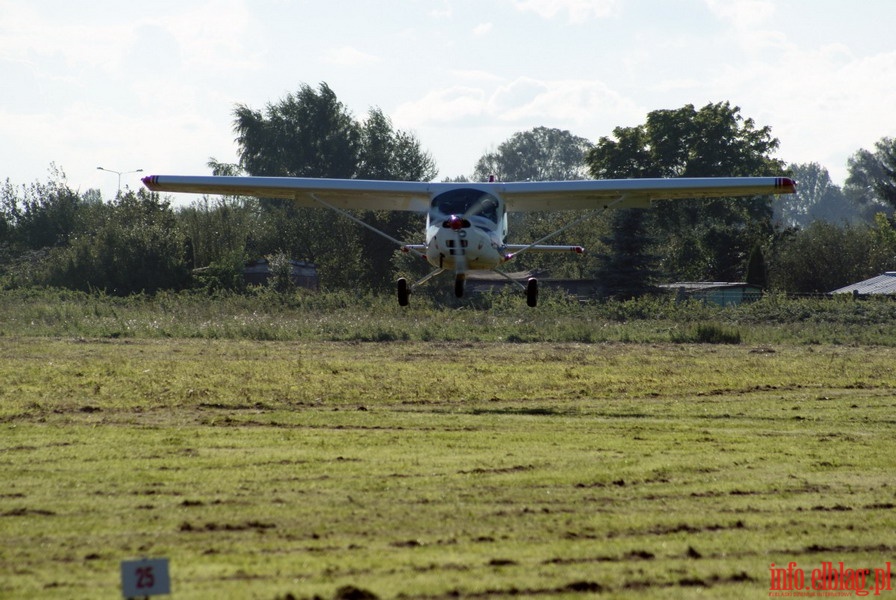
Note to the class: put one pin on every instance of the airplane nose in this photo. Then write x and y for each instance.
(455, 222)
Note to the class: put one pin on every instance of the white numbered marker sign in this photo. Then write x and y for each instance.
(148, 577)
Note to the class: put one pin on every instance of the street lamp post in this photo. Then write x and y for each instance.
(119, 173)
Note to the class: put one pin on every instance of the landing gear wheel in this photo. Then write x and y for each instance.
(459, 285)
(403, 292)
(532, 292)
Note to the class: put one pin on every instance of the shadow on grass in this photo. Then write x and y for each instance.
(540, 411)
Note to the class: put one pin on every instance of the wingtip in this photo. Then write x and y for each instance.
(786, 185)
(150, 182)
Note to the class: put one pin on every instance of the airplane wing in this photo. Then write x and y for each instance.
(633, 193)
(342, 193)
(518, 196)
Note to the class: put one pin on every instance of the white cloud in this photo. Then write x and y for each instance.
(445, 105)
(524, 102)
(349, 56)
(818, 115)
(476, 76)
(578, 11)
(442, 12)
(568, 103)
(214, 35)
(750, 25)
(78, 140)
(27, 35)
(459, 123)
(482, 29)
(742, 14)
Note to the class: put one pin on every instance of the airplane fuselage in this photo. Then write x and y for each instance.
(465, 229)
(470, 247)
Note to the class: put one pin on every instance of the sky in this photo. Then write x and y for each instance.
(153, 85)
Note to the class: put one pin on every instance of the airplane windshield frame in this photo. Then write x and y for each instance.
(459, 201)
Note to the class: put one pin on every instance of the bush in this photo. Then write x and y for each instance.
(135, 248)
(708, 333)
(224, 274)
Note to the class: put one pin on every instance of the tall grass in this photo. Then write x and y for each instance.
(264, 314)
(708, 333)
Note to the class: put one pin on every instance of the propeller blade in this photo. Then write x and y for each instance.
(460, 251)
(480, 205)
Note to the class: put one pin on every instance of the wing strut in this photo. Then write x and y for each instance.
(404, 246)
(585, 217)
(509, 278)
(404, 290)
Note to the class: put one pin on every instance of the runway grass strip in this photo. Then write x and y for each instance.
(412, 469)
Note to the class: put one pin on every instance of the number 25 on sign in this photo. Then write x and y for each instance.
(143, 578)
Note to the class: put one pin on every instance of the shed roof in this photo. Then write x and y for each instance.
(697, 286)
(882, 284)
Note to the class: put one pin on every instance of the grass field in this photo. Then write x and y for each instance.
(438, 469)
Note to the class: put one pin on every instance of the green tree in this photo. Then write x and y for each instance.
(872, 175)
(389, 154)
(757, 273)
(222, 169)
(627, 268)
(697, 240)
(134, 247)
(816, 198)
(41, 215)
(9, 206)
(821, 258)
(540, 154)
(312, 134)
(882, 253)
(37, 218)
(306, 134)
(281, 273)
(215, 230)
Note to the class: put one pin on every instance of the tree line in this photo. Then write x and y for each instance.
(824, 237)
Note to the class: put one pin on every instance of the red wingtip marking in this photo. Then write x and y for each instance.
(787, 184)
(151, 182)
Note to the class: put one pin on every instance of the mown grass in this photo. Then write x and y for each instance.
(269, 469)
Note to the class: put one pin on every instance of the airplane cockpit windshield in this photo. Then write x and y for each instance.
(467, 201)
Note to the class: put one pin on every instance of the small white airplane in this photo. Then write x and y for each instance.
(466, 223)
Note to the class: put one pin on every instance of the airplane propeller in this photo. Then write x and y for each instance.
(479, 206)
(459, 252)
(458, 224)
